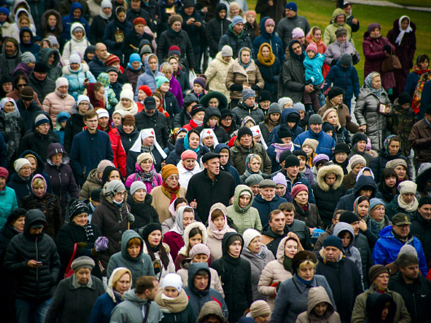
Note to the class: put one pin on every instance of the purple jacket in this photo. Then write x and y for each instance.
(175, 89)
(157, 179)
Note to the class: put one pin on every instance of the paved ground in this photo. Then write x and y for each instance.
(388, 4)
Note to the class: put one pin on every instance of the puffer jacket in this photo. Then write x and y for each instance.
(329, 35)
(366, 113)
(238, 75)
(149, 77)
(54, 70)
(74, 44)
(93, 182)
(239, 155)
(216, 28)
(216, 75)
(8, 203)
(76, 79)
(33, 284)
(236, 42)
(318, 295)
(244, 218)
(336, 50)
(242, 110)
(168, 38)
(345, 78)
(54, 104)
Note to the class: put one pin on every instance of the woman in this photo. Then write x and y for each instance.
(96, 94)
(131, 257)
(116, 31)
(399, 165)
(173, 300)
(272, 119)
(388, 185)
(217, 228)
(193, 234)
(52, 58)
(184, 117)
(212, 120)
(337, 49)
(78, 238)
(403, 38)
(377, 213)
(173, 208)
(305, 211)
(315, 36)
(100, 22)
(78, 75)
(216, 28)
(174, 85)
(20, 181)
(368, 227)
(292, 295)
(243, 74)
(139, 201)
(59, 100)
(270, 68)
(356, 164)
(376, 48)
(75, 123)
(277, 271)
(158, 251)
(51, 24)
(19, 83)
(128, 132)
(258, 255)
(252, 167)
(405, 202)
(217, 70)
(49, 203)
(339, 20)
(76, 295)
(190, 142)
(372, 109)
(327, 190)
(421, 67)
(78, 42)
(340, 134)
(110, 173)
(241, 212)
(8, 201)
(359, 147)
(119, 283)
(145, 172)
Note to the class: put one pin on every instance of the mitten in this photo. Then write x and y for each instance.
(255, 87)
(387, 48)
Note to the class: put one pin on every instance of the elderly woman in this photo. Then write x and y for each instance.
(139, 201)
(20, 181)
(373, 107)
(339, 47)
(405, 202)
(119, 283)
(377, 213)
(339, 20)
(304, 211)
(76, 295)
(217, 70)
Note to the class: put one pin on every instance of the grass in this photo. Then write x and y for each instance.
(413, 3)
(319, 12)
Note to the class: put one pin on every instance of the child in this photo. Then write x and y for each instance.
(199, 85)
(313, 63)
(285, 103)
(251, 27)
(134, 69)
(77, 43)
(340, 156)
(60, 125)
(309, 147)
(283, 143)
(111, 100)
(143, 92)
(197, 113)
(209, 139)
(319, 161)
(303, 167)
(126, 104)
(340, 134)
(169, 101)
(320, 308)
(328, 128)
(117, 117)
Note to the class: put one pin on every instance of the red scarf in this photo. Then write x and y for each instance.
(419, 71)
(170, 192)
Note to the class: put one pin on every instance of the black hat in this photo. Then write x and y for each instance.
(333, 241)
(244, 131)
(284, 131)
(15, 215)
(335, 91)
(301, 257)
(326, 126)
(95, 195)
(188, 4)
(284, 155)
(404, 98)
(359, 136)
(148, 229)
(197, 108)
(41, 67)
(225, 113)
(149, 103)
(300, 153)
(264, 96)
(424, 200)
(77, 207)
(112, 69)
(291, 160)
(348, 217)
(293, 117)
(341, 148)
(209, 156)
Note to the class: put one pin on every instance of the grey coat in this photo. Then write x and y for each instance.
(291, 82)
(285, 27)
(337, 49)
(366, 113)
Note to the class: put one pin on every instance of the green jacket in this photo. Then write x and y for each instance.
(329, 35)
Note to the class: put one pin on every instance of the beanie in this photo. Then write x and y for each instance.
(27, 58)
(120, 112)
(199, 249)
(168, 170)
(297, 33)
(112, 69)
(348, 217)
(114, 187)
(139, 21)
(189, 154)
(201, 81)
(41, 67)
(95, 195)
(291, 161)
(341, 148)
(284, 132)
(292, 6)
(377, 270)
(135, 57)
(404, 98)
(74, 59)
(359, 136)
(248, 93)
(319, 158)
(315, 119)
(106, 4)
(172, 280)
(267, 183)
(260, 308)
(251, 12)
(424, 200)
(253, 179)
(303, 256)
(127, 92)
(4, 172)
(174, 50)
(346, 60)
(248, 236)
(150, 228)
(313, 143)
(373, 26)
(226, 51)
(61, 81)
(188, 4)
(146, 89)
(333, 241)
(19, 163)
(335, 91)
(174, 18)
(374, 202)
(296, 189)
(396, 162)
(407, 249)
(340, 32)
(326, 126)
(274, 108)
(5, 11)
(27, 93)
(160, 80)
(298, 106)
(269, 22)
(244, 131)
(145, 49)
(101, 113)
(197, 108)
(236, 20)
(137, 186)
(264, 95)
(312, 47)
(111, 60)
(280, 179)
(77, 207)
(300, 152)
(355, 160)
(407, 187)
(40, 119)
(103, 164)
(82, 262)
(128, 120)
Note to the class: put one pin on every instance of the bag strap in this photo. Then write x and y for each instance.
(73, 257)
(147, 311)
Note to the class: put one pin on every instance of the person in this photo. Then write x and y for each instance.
(76, 74)
(421, 67)
(75, 123)
(236, 37)
(102, 16)
(128, 132)
(58, 101)
(338, 20)
(252, 167)
(267, 200)
(291, 21)
(235, 274)
(268, 35)
(216, 28)
(33, 279)
(379, 278)
(38, 80)
(242, 213)
(97, 64)
(137, 299)
(211, 312)
(194, 233)
(212, 120)
(420, 224)
(279, 270)
(119, 283)
(275, 230)
(8, 198)
(94, 179)
(358, 144)
(217, 70)
(392, 238)
(115, 32)
(139, 201)
(420, 138)
(320, 308)
(132, 39)
(20, 181)
(293, 293)
(405, 202)
(10, 56)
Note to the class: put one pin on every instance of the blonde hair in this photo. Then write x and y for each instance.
(256, 157)
(307, 262)
(241, 11)
(39, 182)
(118, 274)
(326, 114)
(166, 67)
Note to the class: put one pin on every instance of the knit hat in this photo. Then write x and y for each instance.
(292, 6)
(168, 170)
(374, 202)
(142, 157)
(128, 120)
(300, 152)
(197, 108)
(199, 249)
(335, 91)
(313, 143)
(284, 132)
(27, 93)
(280, 179)
(248, 93)
(298, 106)
(111, 60)
(359, 136)
(319, 158)
(253, 179)
(396, 162)
(348, 217)
(274, 108)
(303, 256)
(326, 126)
(135, 57)
(102, 113)
(160, 80)
(248, 235)
(400, 219)
(188, 4)
(27, 58)
(150, 103)
(341, 148)
(407, 187)
(82, 262)
(41, 119)
(127, 92)
(226, 51)
(296, 189)
(112, 69)
(77, 207)
(145, 49)
(312, 47)
(422, 201)
(290, 161)
(146, 89)
(174, 50)
(4, 172)
(355, 160)
(61, 81)
(346, 60)
(260, 308)
(297, 33)
(114, 187)
(106, 4)
(373, 26)
(267, 183)
(174, 18)
(333, 241)
(402, 99)
(139, 21)
(201, 81)
(283, 101)
(150, 228)
(340, 32)
(137, 186)
(264, 95)
(377, 270)
(78, 28)
(95, 195)
(41, 67)
(189, 154)
(251, 12)
(236, 20)
(172, 280)
(269, 22)
(5, 10)
(63, 117)
(103, 164)
(315, 119)
(244, 131)
(74, 59)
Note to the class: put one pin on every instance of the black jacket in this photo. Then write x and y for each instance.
(235, 42)
(28, 114)
(32, 284)
(378, 164)
(144, 212)
(169, 38)
(220, 133)
(421, 229)
(158, 122)
(128, 139)
(43, 88)
(37, 142)
(273, 245)
(97, 29)
(74, 125)
(361, 243)
(132, 41)
(216, 28)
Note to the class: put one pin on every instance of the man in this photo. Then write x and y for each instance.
(290, 22)
(296, 226)
(149, 117)
(27, 107)
(98, 63)
(248, 106)
(414, 288)
(136, 11)
(274, 231)
(379, 277)
(120, 157)
(342, 275)
(393, 237)
(90, 140)
(210, 186)
(138, 304)
(326, 142)
(243, 146)
(235, 37)
(420, 136)
(253, 182)
(267, 200)
(39, 81)
(421, 225)
(224, 152)
(199, 290)
(32, 261)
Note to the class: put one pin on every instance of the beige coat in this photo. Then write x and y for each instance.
(54, 104)
(316, 296)
(216, 74)
(238, 75)
(161, 202)
(92, 183)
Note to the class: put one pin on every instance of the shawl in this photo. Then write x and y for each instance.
(172, 304)
(402, 32)
(411, 207)
(218, 234)
(266, 61)
(369, 84)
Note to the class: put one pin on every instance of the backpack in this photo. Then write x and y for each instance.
(416, 101)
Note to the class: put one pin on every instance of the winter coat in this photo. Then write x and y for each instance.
(113, 27)
(158, 122)
(286, 26)
(42, 88)
(302, 232)
(326, 142)
(329, 35)
(421, 229)
(400, 123)
(239, 156)
(120, 158)
(346, 202)
(366, 113)
(216, 75)
(236, 42)
(275, 11)
(9, 63)
(336, 50)
(13, 128)
(174, 241)
(270, 75)
(31, 47)
(54, 70)
(37, 283)
(344, 78)
(54, 104)
(272, 39)
(174, 156)
(291, 82)
(161, 202)
(75, 45)
(181, 39)
(214, 281)
(313, 69)
(76, 79)
(157, 179)
(97, 66)
(92, 183)
(238, 75)
(296, 130)
(28, 114)
(394, 208)
(242, 110)
(216, 28)
(37, 142)
(244, 218)
(317, 296)
(378, 164)
(420, 141)
(69, 20)
(144, 212)
(264, 207)
(97, 29)
(235, 274)
(186, 175)
(311, 217)
(195, 33)
(327, 196)
(8, 203)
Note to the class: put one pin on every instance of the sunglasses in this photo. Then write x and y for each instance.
(21, 85)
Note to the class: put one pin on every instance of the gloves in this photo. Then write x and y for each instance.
(130, 218)
(334, 62)
(387, 49)
(236, 87)
(101, 244)
(255, 88)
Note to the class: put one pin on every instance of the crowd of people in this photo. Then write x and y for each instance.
(182, 161)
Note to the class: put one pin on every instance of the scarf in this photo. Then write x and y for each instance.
(170, 304)
(216, 233)
(381, 224)
(186, 144)
(408, 207)
(369, 84)
(271, 124)
(147, 177)
(287, 264)
(60, 95)
(268, 62)
(305, 282)
(281, 148)
(402, 32)
(199, 123)
(175, 33)
(12, 129)
(419, 71)
(170, 192)
(102, 14)
(404, 240)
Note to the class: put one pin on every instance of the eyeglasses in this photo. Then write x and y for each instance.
(121, 193)
(26, 168)
(147, 162)
(174, 178)
(21, 85)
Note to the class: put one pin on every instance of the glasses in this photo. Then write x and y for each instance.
(149, 162)
(121, 193)
(26, 168)
(174, 178)
(21, 85)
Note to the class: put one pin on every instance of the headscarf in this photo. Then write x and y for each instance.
(266, 61)
(402, 32)
(216, 233)
(11, 126)
(369, 84)
(137, 146)
(178, 224)
(248, 172)
(186, 143)
(105, 4)
(44, 181)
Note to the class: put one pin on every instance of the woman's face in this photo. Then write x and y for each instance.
(114, 175)
(404, 24)
(393, 147)
(63, 89)
(25, 171)
(126, 103)
(375, 33)
(401, 172)
(134, 250)
(57, 159)
(357, 168)
(158, 102)
(146, 165)
(19, 224)
(391, 181)
(235, 11)
(290, 248)
(245, 56)
(121, 16)
(342, 39)
(140, 195)
(306, 271)
(408, 197)
(176, 26)
(378, 213)
(119, 197)
(99, 95)
(39, 191)
(187, 219)
(155, 237)
(83, 276)
(255, 245)
(219, 222)
(361, 145)
(33, 163)
(171, 292)
(197, 238)
(7, 87)
(244, 200)
(174, 64)
(424, 65)
(172, 180)
(9, 107)
(148, 141)
(107, 11)
(377, 82)
(213, 103)
(123, 284)
(81, 219)
(265, 52)
(193, 141)
(301, 198)
(317, 35)
(168, 74)
(116, 118)
(280, 190)
(208, 141)
(83, 107)
(274, 117)
(255, 165)
(332, 118)
(21, 84)
(128, 129)
(363, 208)
(74, 66)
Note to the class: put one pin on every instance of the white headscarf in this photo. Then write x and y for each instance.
(105, 4)
(256, 131)
(402, 32)
(144, 134)
(209, 132)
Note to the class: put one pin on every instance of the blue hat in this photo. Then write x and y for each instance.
(248, 93)
(134, 58)
(333, 241)
(291, 6)
(376, 201)
(5, 11)
(237, 20)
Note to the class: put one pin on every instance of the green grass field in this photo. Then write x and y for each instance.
(413, 3)
(319, 12)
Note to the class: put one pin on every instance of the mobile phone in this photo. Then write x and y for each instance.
(39, 263)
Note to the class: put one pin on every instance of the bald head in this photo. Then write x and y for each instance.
(101, 51)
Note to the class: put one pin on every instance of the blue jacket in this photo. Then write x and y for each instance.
(411, 83)
(313, 68)
(32, 47)
(76, 79)
(102, 308)
(272, 39)
(344, 78)
(97, 66)
(228, 167)
(296, 130)
(264, 207)
(8, 203)
(148, 78)
(69, 20)
(58, 130)
(387, 248)
(325, 146)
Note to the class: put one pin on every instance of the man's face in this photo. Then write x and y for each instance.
(290, 216)
(297, 48)
(152, 62)
(76, 13)
(213, 166)
(267, 193)
(200, 282)
(10, 48)
(224, 158)
(401, 230)
(43, 128)
(250, 101)
(292, 171)
(101, 51)
(366, 192)
(425, 211)
(91, 123)
(316, 128)
(289, 13)
(246, 140)
(238, 28)
(355, 226)
(135, 4)
(103, 122)
(35, 231)
(411, 271)
(278, 222)
(39, 76)
(332, 254)
(152, 292)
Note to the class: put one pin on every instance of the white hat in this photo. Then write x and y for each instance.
(74, 59)
(172, 280)
(83, 98)
(407, 187)
(19, 163)
(209, 132)
(61, 81)
(145, 133)
(127, 92)
(248, 235)
(102, 113)
(114, 187)
(256, 131)
(120, 112)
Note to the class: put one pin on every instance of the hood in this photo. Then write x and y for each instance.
(192, 226)
(286, 113)
(335, 169)
(225, 246)
(365, 181)
(219, 147)
(147, 66)
(193, 269)
(280, 249)
(396, 25)
(342, 226)
(61, 114)
(219, 8)
(40, 163)
(376, 302)
(211, 308)
(55, 148)
(75, 5)
(72, 29)
(43, 179)
(21, 31)
(211, 112)
(132, 297)
(20, 3)
(238, 191)
(32, 216)
(292, 54)
(44, 54)
(44, 20)
(337, 12)
(318, 295)
(263, 31)
(125, 238)
(189, 98)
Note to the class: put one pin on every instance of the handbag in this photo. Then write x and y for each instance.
(69, 271)
(391, 63)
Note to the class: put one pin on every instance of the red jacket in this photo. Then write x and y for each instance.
(191, 125)
(120, 157)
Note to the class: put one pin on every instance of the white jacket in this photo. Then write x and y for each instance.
(186, 174)
(74, 45)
